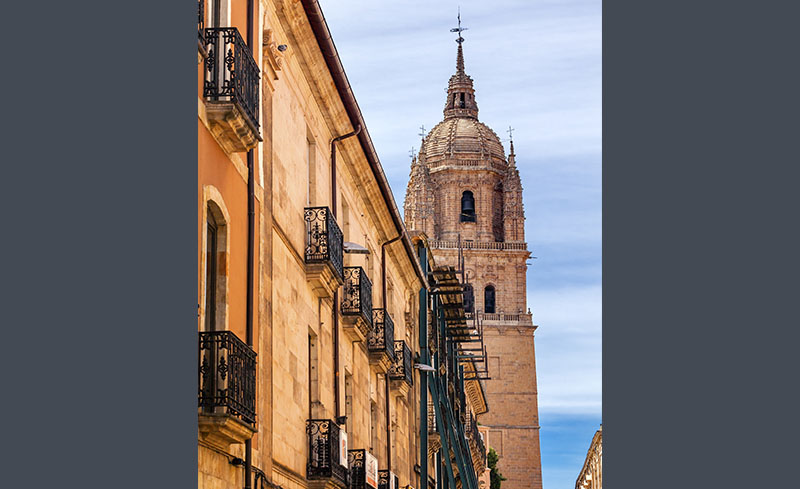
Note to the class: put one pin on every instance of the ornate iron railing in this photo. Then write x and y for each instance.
(324, 239)
(201, 22)
(357, 296)
(227, 376)
(385, 480)
(431, 418)
(231, 72)
(474, 435)
(323, 451)
(381, 339)
(402, 368)
(358, 470)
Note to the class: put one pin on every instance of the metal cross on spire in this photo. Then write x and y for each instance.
(459, 29)
(422, 131)
(510, 131)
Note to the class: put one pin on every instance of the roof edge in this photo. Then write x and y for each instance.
(325, 41)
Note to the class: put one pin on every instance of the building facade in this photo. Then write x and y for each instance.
(466, 196)
(591, 476)
(313, 303)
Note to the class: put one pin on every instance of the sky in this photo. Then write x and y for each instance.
(537, 67)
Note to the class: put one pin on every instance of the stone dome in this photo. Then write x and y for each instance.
(462, 138)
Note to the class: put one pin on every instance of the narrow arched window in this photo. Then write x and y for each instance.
(467, 207)
(488, 299)
(469, 298)
(212, 233)
(214, 285)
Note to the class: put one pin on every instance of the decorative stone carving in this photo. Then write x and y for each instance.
(230, 127)
(273, 58)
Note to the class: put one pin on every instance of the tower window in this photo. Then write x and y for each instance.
(462, 100)
(489, 299)
(467, 207)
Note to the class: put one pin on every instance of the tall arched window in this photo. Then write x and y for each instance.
(469, 298)
(216, 266)
(467, 207)
(212, 233)
(488, 299)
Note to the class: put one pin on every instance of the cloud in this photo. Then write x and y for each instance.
(537, 66)
(568, 348)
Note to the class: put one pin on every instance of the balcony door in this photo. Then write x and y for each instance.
(216, 13)
(212, 235)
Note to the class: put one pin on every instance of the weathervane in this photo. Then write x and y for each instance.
(459, 29)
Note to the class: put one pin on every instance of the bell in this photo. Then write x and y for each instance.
(468, 207)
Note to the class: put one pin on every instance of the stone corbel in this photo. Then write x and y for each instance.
(273, 58)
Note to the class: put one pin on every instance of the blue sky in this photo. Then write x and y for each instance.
(537, 67)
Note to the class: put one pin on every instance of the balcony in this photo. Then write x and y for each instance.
(230, 89)
(381, 341)
(357, 304)
(363, 469)
(434, 442)
(226, 389)
(402, 371)
(326, 446)
(201, 4)
(476, 445)
(387, 480)
(324, 251)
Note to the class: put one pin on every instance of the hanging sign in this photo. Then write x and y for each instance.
(371, 470)
(343, 448)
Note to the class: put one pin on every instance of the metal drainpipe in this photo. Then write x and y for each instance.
(383, 300)
(337, 407)
(251, 225)
(423, 377)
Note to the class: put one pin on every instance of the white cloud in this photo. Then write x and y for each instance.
(568, 348)
(537, 66)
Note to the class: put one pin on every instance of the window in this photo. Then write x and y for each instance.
(489, 299)
(373, 426)
(211, 273)
(469, 298)
(348, 400)
(215, 277)
(467, 207)
(314, 405)
(311, 170)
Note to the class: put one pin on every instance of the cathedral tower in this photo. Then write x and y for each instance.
(462, 186)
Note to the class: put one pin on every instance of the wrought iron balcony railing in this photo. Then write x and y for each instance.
(324, 239)
(402, 368)
(201, 23)
(227, 376)
(231, 72)
(357, 297)
(358, 473)
(387, 480)
(434, 440)
(474, 435)
(324, 457)
(359, 461)
(381, 339)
